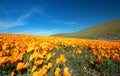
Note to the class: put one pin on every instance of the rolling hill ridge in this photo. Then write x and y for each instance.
(108, 30)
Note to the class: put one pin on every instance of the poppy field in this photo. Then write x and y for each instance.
(31, 55)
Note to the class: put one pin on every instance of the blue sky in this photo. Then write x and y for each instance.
(46, 17)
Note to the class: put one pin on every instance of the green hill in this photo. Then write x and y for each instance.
(108, 30)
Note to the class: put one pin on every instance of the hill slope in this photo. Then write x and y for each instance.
(109, 30)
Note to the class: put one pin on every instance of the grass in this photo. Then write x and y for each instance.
(108, 30)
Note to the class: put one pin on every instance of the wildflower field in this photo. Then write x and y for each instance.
(30, 55)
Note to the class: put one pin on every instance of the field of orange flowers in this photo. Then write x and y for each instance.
(30, 55)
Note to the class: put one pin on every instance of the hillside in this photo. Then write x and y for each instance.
(108, 30)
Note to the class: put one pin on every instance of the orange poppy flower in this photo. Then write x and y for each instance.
(0, 53)
(3, 60)
(65, 72)
(42, 72)
(5, 52)
(49, 65)
(48, 56)
(31, 57)
(99, 59)
(30, 48)
(20, 56)
(12, 59)
(34, 68)
(79, 52)
(21, 66)
(35, 73)
(38, 62)
(57, 71)
(4, 47)
(12, 74)
(57, 60)
(63, 58)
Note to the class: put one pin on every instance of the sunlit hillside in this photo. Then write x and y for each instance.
(108, 30)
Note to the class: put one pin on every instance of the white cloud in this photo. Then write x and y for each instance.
(4, 25)
(22, 18)
(72, 23)
(20, 21)
(39, 32)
